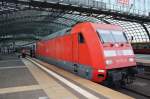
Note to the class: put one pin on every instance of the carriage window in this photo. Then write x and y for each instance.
(80, 38)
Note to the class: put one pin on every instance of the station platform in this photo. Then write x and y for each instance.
(143, 59)
(22, 78)
(143, 56)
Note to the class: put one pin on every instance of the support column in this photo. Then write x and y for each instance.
(145, 28)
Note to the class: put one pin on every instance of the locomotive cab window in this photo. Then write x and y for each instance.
(81, 38)
(105, 36)
(112, 36)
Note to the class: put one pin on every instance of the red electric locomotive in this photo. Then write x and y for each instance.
(98, 52)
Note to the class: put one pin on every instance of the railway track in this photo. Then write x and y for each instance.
(136, 92)
(140, 89)
(144, 76)
(147, 73)
(132, 92)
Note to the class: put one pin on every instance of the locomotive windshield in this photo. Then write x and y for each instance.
(119, 36)
(105, 36)
(111, 36)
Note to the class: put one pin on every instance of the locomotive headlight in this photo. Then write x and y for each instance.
(109, 62)
(131, 59)
(101, 71)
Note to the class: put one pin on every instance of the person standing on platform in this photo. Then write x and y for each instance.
(23, 53)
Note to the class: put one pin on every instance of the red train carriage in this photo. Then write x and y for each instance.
(98, 52)
(141, 48)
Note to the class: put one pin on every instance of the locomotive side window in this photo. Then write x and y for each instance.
(80, 38)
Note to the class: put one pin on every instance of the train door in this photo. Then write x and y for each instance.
(78, 40)
(75, 52)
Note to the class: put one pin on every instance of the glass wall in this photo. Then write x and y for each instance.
(140, 7)
(133, 30)
(130, 6)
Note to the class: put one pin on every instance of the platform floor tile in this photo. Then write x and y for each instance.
(16, 77)
(53, 88)
(35, 94)
(10, 63)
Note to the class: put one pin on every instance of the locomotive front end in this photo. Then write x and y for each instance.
(120, 62)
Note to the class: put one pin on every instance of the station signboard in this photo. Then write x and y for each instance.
(125, 2)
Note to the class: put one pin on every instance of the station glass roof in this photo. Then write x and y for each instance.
(24, 23)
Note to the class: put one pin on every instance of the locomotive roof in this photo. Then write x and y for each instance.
(57, 34)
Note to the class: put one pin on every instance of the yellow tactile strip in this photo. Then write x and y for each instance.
(19, 89)
(109, 93)
(52, 88)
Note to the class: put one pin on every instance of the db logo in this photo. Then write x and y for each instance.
(119, 52)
